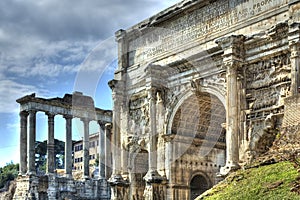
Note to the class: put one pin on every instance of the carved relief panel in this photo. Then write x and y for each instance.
(268, 82)
(138, 115)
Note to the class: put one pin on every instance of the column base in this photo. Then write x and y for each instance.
(21, 174)
(117, 179)
(229, 167)
(153, 176)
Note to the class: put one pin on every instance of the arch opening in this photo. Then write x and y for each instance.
(199, 184)
(200, 116)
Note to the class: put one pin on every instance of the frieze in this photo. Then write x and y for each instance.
(268, 82)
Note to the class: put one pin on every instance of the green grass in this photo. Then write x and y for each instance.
(258, 183)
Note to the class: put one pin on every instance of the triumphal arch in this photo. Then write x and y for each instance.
(200, 89)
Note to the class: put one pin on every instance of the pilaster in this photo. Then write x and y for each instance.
(120, 36)
(152, 174)
(294, 46)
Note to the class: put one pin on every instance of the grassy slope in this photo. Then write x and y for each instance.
(257, 183)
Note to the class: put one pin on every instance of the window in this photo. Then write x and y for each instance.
(78, 147)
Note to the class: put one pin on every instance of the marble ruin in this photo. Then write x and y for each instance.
(200, 89)
(31, 185)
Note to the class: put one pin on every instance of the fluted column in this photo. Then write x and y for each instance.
(101, 150)
(31, 142)
(232, 153)
(86, 148)
(108, 150)
(23, 143)
(116, 177)
(50, 144)
(233, 56)
(152, 174)
(68, 146)
(294, 45)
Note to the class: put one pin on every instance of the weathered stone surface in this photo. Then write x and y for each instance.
(220, 71)
(200, 88)
(30, 184)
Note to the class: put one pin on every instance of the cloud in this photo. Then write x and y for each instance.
(50, 37)
(10, 91)
(47, 39)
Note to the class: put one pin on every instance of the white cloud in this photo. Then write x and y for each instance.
(38, 35)
(44, 40)
(10, 91)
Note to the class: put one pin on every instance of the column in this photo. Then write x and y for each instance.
(232, 153)
(116, 177)
(108, 150)
(68, 146)
(50, 144)
(294, 38)
(31, 142)
(101, 150)
(233, 56)
(86, 148)
(152, 174)
(23, 143)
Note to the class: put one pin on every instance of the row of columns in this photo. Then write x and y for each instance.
(28, 139)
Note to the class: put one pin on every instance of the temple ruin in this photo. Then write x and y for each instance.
(200, 89)
(31, 185)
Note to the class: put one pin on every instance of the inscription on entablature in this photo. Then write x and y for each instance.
(216, 16)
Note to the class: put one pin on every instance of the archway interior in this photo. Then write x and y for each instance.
(199, 184)
(200, 116)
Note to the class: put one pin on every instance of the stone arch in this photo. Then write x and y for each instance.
(183, 97)
(199, 183)
(201, 113)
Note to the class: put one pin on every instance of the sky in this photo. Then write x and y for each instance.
(50, 47)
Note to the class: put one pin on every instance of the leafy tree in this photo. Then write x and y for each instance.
(41, 153)
(8, 173)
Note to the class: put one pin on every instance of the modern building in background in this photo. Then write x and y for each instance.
(93, 152)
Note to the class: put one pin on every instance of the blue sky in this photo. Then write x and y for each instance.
(50, 47)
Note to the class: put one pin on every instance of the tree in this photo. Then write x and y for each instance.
(8, 173)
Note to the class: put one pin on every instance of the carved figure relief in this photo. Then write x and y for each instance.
(139, 115)
(218, 81)
(268, 82)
